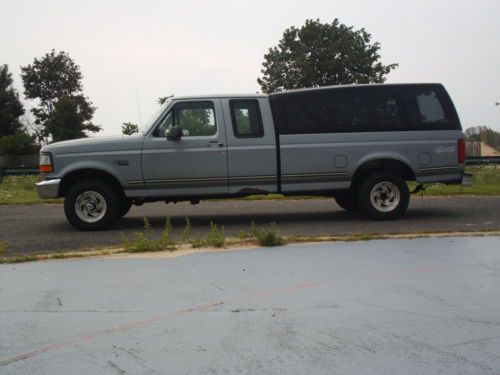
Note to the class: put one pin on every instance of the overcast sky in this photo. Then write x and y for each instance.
(130, 50)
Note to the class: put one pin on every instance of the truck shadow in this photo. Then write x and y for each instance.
(300, 223)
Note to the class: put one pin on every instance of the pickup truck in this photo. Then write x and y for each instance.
(358, 144)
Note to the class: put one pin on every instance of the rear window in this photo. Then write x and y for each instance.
(364, 109)
(428, 107)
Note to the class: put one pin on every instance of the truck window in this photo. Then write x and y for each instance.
(429, 107)
(338, 111)
(246, 118)
(195, 119)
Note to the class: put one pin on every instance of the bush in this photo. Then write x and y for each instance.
(18, 144)
(267, 237)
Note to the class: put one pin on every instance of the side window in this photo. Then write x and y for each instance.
(246, 118)
(429, 107)
(195, 119)
(339, 111)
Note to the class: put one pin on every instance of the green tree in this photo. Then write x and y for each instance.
(10, 106)
(163, 99)
(321, 54)
(54, 78)
(129, 128)
(70, 118)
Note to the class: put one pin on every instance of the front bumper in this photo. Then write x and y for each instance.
(466, 180)
(48, 189)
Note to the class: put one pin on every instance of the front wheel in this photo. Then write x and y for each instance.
(383, 196)
(91, 205)
(125, 206)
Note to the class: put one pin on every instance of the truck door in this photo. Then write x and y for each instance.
(252, 158)
(197, 163)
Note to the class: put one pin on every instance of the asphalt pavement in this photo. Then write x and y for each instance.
(37, 228)
(424, 306)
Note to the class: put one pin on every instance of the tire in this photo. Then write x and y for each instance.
(125, 206)
(91, 205)
(383, 196)
(347, 200)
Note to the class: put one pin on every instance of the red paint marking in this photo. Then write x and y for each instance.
(142, 323)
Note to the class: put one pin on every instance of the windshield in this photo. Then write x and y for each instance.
(145, 127)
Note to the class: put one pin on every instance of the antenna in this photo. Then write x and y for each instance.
(138, 106)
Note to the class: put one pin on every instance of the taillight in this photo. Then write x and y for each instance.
(45, 164)
(461, 151)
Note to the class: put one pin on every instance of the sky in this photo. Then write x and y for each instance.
(132, 52)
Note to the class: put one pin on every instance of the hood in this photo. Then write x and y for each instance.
(97, 144)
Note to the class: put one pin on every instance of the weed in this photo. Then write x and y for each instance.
(267, 237)
(216, 237)
(3, 247)
(197, 242)
(166, 242)
(143, 241)
(186, 233)
(245, 234)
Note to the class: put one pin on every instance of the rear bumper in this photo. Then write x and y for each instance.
(48, 189)
(466, 180)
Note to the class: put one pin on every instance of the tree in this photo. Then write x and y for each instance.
(70, 118)
(163, 99)
(18, 144)
(129, 128)
(10, 106)
(53, 79)
(483, 134)
(320, 54)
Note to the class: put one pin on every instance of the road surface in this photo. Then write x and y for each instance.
(35, 228)
(425, 306)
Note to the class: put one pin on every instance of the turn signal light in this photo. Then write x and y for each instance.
(45, 164)
(46, 169)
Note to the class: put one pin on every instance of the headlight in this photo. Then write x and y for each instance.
(45, 163)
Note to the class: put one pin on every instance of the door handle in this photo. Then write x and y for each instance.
(215, 143)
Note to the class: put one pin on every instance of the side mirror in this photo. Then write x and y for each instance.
(174, 133)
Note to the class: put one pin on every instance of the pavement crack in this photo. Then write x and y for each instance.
(115, 367)
(425, 315)
(484, 339)
(217, 287)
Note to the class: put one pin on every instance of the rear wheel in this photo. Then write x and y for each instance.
(347, 200)
(91, 205)
(383, 196)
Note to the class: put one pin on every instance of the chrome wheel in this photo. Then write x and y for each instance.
(385, 196)
(90, 206)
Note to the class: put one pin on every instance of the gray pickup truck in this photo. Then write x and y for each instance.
(358, 144)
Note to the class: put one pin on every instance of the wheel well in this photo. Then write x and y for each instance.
(89, 174)
(390, 165)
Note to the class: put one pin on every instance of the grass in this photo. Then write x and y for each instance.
(21, 190)
(486, 181)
